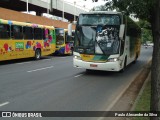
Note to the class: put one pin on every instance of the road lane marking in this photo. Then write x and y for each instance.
(40, 69)
(46, 59)
(23, 63)
(3, 104)
(78, 75)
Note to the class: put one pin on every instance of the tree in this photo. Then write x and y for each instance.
(146, 32)
(148, 10)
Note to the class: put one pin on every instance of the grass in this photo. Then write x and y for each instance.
(143, 104)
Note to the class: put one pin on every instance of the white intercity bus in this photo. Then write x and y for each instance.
(107, 41)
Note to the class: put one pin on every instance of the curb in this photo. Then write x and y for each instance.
(141, 91)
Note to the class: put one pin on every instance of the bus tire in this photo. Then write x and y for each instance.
(89, 70)
(38, 54)
(124, 66)
(71, 51)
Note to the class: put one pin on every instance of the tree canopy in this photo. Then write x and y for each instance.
(142, 9)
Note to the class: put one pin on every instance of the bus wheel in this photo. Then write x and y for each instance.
(124, 66)
(71, 51)
(88, 70)
(38, 54)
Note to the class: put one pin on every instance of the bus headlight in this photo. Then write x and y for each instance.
(112, 59)
(77, 57)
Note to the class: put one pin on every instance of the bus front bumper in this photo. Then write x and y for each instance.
(107, 66)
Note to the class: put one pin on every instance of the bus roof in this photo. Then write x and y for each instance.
(25, 24)
(62, 29)
(102, 12)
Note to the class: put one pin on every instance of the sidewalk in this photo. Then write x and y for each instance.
(142, 94)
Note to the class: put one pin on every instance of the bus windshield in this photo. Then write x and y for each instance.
(97, 19)
(98, 34)
(59, 36)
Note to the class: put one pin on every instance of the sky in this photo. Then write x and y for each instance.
(88, 3)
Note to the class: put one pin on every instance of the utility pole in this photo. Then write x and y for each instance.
(48, 7)
(63, 11)
(74, 10)
(27, 6)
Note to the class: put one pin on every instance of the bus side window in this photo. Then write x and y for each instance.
(46, 34)
(43, 35)
(66, 37)
(28, 33)
(53, 35)
(4, 31)
(16, 32)
(38, 34)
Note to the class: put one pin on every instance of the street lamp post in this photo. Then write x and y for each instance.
(63, 11)
(48, 7)
(27, 6)
(74, 10)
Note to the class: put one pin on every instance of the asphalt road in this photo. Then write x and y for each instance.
(53, 84)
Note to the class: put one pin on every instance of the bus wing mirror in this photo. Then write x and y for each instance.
(121, 32)
(70, 29)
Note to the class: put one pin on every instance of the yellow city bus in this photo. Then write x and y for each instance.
(24, 40)
(64, 42)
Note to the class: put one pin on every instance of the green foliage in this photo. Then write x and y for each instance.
(99, 8)
(144, 24)
(146, 31)
(142, 9)
(143, 103)
(146, 35)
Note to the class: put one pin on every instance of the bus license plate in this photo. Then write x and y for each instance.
(93, 65)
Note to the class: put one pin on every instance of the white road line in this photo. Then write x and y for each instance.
(23, 63)
(78, 75)
(40, 69)
(46, 59)
(3, 104)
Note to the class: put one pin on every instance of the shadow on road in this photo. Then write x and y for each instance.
(7, 62)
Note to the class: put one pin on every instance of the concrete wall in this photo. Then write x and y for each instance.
(58, 4)
(22, 17)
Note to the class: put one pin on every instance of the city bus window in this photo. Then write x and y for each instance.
(38, 34)
(16, 32)
(28, 33)
(53, 34)
(66, 37)
(4, 31)
(46, 34)
(43, 34)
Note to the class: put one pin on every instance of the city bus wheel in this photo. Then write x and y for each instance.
(71, 51)
(89, 70)
(37, 54)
